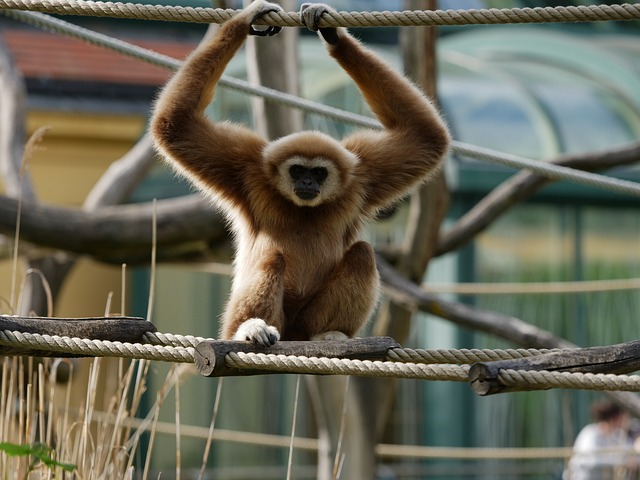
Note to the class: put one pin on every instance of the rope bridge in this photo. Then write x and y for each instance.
(487, 371)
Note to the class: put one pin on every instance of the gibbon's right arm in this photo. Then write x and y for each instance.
(216, 156)
(414, 140)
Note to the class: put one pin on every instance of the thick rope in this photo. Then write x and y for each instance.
(582, 381)
(548, 170)
(403, 362)
(96, 348)
(171, 340)
(337, 366)
(463, 356)
(590, 13)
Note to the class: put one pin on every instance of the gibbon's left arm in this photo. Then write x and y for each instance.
(414, 140)
(215, 156)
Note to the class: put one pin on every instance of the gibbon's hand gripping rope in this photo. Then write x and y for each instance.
(590, 13)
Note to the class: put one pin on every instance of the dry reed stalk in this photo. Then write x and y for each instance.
(337, 463)
(214, 416)
(30, 148)
(177, 400)
(293, 428)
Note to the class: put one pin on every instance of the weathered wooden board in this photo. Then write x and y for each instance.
(209, 355)
(621, 358)
(121, 329)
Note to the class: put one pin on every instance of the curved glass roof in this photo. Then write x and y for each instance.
(539, 92)
(533, 91)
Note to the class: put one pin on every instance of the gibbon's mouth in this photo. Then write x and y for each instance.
(306, 193)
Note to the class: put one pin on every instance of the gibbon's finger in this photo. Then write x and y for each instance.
(265, 9)
(268, 31)
(256, 331)
(311, 14)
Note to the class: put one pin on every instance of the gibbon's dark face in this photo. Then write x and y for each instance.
(307, 181)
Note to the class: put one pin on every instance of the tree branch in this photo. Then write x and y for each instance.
(521, 186)
(118, 234)
(405, 292)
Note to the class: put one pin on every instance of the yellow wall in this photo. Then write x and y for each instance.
(73, 155)
(76, 150)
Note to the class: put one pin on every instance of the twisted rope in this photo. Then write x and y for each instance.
(403, 362)
(463, 356)
(172, 340)
(582, 381)
(337, 366)
(590, 13)
(96, 348)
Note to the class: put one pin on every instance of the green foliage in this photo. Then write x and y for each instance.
(38, 452)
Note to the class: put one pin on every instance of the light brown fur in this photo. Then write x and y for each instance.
(299, 266)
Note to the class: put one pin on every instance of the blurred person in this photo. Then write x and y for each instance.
(604, 450)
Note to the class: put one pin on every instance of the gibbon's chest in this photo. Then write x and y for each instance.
(312, 246)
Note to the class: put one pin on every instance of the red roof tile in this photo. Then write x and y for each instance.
(46, 55)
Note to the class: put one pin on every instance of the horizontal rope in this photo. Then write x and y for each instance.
(343, 366)
(462, 356)
(96, 348)
(179, 349)
(311, 444)
(582, 13)
(545, 169)
(582, 381)
(532, 288)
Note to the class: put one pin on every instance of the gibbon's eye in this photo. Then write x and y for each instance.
(319, 173)
(296, 171)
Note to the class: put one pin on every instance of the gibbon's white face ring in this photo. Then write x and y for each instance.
(329, 189)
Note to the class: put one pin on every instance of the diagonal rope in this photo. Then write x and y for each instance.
(582, 13)
(545, 169)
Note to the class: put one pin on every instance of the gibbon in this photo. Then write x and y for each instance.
(297, 205)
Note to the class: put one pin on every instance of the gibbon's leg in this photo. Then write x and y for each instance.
(345, 303)
(255, 313)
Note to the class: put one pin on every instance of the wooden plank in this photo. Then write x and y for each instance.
(120, 329)
(210, 355)
(619, 359)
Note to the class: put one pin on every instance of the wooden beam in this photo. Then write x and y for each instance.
(120, 329)
(618, 359)
(210, 354)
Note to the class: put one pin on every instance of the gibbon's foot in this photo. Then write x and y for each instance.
(330, 336)
(256, 331)
(262, 8)
(311, 13)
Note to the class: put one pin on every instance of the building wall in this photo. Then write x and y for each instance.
(73, 155)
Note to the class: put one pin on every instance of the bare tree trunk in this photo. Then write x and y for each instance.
(273, 62)
(427, 210)
(15, 175)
